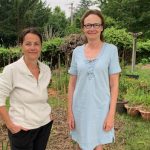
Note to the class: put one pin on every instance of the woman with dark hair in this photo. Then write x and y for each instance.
(25, 82)
(93, 86)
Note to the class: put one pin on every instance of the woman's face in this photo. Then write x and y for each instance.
(92, 27)
(31, 46)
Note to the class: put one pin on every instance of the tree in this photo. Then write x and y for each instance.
(39, 16)
(122, 39)
(81, 9)
(110, 22)
(7, 29)
(18, 14)
(133, 15)
(57, 22)
(86, 4)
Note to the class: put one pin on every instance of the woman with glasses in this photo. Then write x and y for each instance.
(25, 82)
(93, 86)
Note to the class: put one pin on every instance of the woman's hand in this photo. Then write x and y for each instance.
(71, 121)
(10, 125)
(108, 123)
(15, 128)
(51, 117)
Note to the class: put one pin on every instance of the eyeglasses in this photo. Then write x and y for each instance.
(95, 25)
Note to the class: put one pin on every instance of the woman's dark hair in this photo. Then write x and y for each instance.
(29, 30)
(93, 12)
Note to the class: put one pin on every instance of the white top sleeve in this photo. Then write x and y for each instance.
(5, 84)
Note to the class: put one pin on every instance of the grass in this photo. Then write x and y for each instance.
(132, 133)
(143, 73)
(135, 133)
(136, 91)
(4, 145)
(56, 102)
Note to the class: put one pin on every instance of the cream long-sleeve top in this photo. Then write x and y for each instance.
(28, 96)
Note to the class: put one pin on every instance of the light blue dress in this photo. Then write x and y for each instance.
(91, 97)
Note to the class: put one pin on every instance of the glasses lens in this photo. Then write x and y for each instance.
(88, 26)
(95, 25)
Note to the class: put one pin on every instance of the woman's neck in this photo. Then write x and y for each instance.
(31, 64)
(33, 67)
(94, 44)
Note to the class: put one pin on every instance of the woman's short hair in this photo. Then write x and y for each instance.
(32, 30)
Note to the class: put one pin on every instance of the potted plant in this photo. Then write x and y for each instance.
(134, 101)
(132, 110)
(120, 107)
(145, 98)
(145, 113)
(138, 93)
(145, 109)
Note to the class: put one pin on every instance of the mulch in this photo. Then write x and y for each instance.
(59, 138)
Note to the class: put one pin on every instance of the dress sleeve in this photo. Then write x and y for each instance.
(73, 68)
(114, 66)
(5, 85)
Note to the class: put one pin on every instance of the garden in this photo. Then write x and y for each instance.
(132, 132)
(60, 37)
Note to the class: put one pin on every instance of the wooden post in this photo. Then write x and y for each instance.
(135, 35)
(133, 54)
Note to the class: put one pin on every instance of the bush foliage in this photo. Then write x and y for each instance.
(52, 49)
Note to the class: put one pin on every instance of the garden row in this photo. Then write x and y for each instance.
(135, 92)
(61, 49)
(134, 89)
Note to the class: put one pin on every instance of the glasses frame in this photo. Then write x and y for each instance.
(94, 25)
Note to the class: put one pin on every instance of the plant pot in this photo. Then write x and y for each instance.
(145, 114)
(132, 110)
(120, 106)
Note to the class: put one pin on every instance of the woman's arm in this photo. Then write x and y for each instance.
(10, 125)
(71, 88)
(5, 116)
(114, 86)
(5, 89)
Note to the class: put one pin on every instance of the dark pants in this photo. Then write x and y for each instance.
(35, 139)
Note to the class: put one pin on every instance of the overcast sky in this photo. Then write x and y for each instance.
(64, 4)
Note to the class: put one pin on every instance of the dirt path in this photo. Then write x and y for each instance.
(59, 138)
(147, 66)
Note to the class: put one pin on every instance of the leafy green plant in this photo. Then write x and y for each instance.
(143, 46)
(122, 88)
(52, 45)
(60, 80)
(4, 145)
(145, 60)
(9, 55)
(124, 84)
(118, 37)
(136, 91)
